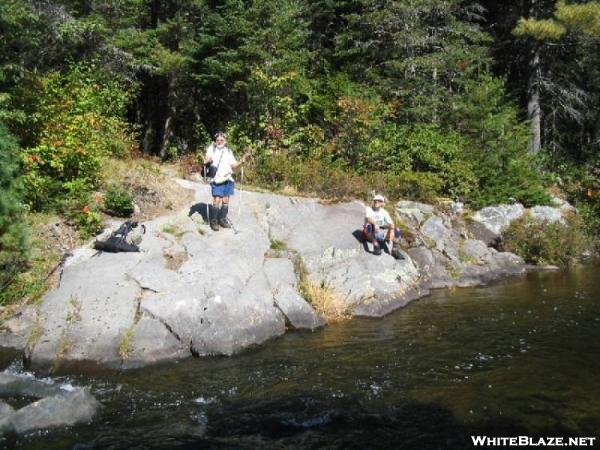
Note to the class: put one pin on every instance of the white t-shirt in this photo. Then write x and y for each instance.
(381, 217)
(223, 159)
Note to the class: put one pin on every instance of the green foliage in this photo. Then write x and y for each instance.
(80, 116)
(584, 18)
(13, 242)
(497, 147)
(118, 200)
(431, 150)
(30, 284)
(88, 221)
(540, 29)
(547, 243)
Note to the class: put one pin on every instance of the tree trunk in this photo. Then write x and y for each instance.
(168, 131)
(534, 113)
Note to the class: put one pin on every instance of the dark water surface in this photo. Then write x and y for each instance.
(520, 357)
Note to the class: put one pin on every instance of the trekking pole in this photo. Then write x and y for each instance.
(241, 192)
(204, 180)
(235, 230)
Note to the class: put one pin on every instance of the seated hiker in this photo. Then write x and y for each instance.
(379, 228)
(222, 162)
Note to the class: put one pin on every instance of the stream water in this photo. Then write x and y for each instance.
(519, 357)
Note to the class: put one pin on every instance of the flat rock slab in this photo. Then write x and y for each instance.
(84, 319)
(227, 291)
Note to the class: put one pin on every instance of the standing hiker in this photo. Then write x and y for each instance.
(379, 227)
(222, 162)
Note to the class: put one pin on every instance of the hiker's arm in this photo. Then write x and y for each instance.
(235, 164)
(372, 222)
(208, 156)
(388, 222)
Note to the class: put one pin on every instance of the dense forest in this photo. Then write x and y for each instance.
(483, 102)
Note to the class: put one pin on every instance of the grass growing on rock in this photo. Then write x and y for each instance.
(63, 347)
(173, 230)
(323, 299)
(34, 336)
(277, 245)
(126, 344)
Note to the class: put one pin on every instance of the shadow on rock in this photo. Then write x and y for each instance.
(358, 235)
(200, 208)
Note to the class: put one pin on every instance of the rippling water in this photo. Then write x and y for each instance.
(520, 357)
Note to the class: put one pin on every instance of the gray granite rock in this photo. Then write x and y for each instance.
(445, 239)
(59, 410)
(497, 218)
(282, 279)
(83, 320)
(474, 251)
(12, 385)
(547, 214)
(480, 232)
(57, 405)
(15, 331)
(153, 342)
(415, 212)
(227, 292)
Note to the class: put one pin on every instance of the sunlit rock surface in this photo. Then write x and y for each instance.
(192, 291)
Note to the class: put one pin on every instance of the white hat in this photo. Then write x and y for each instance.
(379, 197)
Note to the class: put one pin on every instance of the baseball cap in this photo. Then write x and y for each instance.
(379, 198)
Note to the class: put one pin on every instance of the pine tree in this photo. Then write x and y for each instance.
(13, 243)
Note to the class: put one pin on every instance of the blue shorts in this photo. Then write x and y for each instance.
(222, 190)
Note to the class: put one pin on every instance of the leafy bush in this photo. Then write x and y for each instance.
(441, 153)
(88, 221)
(80, 113)
(13, 243)
(118, 200)
(546, 243)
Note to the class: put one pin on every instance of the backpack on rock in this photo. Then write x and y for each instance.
(125, 239)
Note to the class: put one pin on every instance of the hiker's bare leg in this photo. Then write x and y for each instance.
(389, 234)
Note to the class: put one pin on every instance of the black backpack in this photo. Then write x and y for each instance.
(117, 241)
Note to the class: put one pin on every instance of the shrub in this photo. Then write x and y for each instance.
(118, 200)
(80, 123)
(13, 243)
(546, 243)
(439, 153)
(88, 221)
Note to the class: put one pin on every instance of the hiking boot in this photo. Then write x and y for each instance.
(214, 222)
(223, 216)
(377, 249)
(396, 253)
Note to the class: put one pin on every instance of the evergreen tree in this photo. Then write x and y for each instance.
(13, 244)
